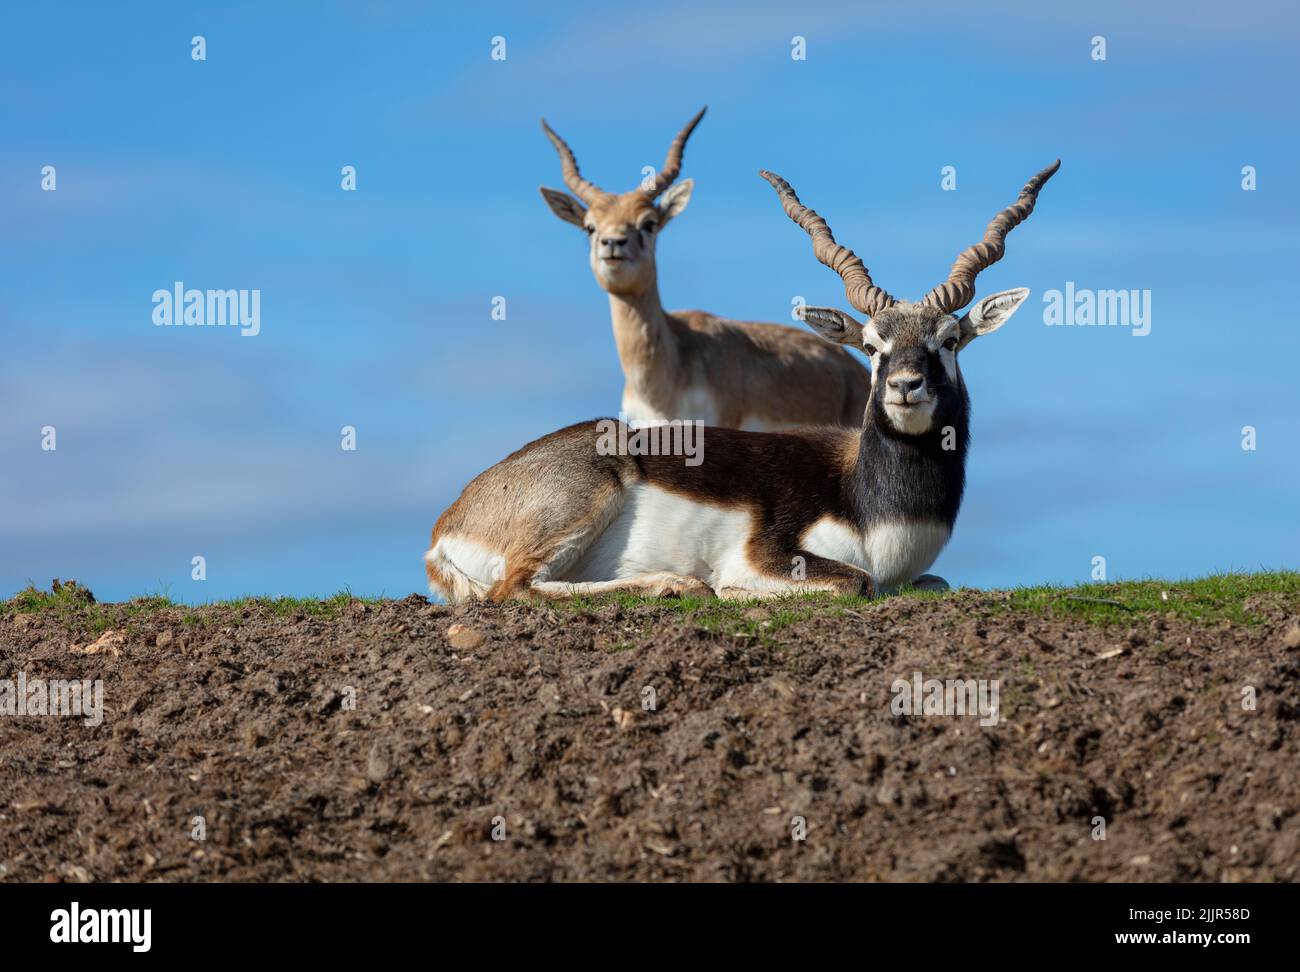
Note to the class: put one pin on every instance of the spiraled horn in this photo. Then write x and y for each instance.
(673, 163)
(580, 187)
(959, 289)
(861, 292)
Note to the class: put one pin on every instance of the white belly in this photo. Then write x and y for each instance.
(658, 530)
(893, 553)
(694, 405)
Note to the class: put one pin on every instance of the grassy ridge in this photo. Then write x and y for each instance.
(72, 601)
(1219, 597)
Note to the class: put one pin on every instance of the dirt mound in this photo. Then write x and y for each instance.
(621, 741)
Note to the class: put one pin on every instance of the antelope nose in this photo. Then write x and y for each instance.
(613, 241)
(906, 384)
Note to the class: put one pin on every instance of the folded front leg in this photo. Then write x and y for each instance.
(799, 572)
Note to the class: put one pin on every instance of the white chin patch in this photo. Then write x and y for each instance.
(913, 420)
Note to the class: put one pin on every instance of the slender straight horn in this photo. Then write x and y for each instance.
(580, 187)
(959, 289)
(673, 163)
(861, 292)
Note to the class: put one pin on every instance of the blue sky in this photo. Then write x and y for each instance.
(375, 307)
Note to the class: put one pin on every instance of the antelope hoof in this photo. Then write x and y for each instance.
(682, 587)
(929, 582)
(866, 587)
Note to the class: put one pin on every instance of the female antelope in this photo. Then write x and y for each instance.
(690, 365)
(762, 513)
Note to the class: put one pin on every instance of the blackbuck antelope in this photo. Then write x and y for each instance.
(826, 509)
(691, 365)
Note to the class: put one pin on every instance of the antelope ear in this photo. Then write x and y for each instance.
(565, 206)
(675, 199)
(834, 325)
(991, 313)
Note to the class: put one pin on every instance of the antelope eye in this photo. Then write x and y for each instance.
(648, 227)
(870, 349)
(950, 344)
(590, 229)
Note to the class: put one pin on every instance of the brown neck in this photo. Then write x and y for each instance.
(647, 346)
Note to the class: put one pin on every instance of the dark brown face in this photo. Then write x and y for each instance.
(916, 385)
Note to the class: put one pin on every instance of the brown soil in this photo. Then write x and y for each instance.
(245, 719)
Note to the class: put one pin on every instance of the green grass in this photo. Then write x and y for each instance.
(1213, 599)
(70, 602)
(314, 607)
(1219, 597)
